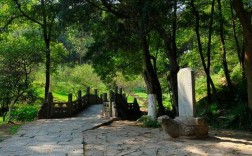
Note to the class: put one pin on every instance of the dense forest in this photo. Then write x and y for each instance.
(140, 45)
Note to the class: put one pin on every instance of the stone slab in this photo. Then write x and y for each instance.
(186, 92)
(59, 137)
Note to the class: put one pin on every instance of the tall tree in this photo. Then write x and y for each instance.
(43, 14)
(168, 35)
(245, 20)
(239, 50)
(223, 47)
(206, 66)
(19, 57)
(138, 17)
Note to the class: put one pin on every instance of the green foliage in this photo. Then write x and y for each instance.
(234, 117)
(13, 129)
(58, 54)
(113, 45)
(25, 113)
(69, 80)
(20, 51)
(167, 101)
(128, 83)
(148, 122)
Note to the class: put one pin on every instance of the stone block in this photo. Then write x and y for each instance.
(186, 92)
(184, 126)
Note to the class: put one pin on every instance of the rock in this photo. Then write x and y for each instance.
(184, 126)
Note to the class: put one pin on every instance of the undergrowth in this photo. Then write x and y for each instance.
(148, 122)
(25, 113)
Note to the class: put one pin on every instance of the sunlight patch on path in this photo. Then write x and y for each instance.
(52, 136)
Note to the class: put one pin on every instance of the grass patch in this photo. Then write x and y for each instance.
(148, 122)
(13, 129)
(24, 112)
(131, 99)
(58, 96)
(2, 122)
(141, 95)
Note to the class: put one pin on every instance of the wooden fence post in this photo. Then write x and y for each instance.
(135, 105)
(105, 97)
(120, 91)
(70, 104)
(111, 99)
(79, 94)
(79, 98)
(87, 95)
(96, 95)
(96, 92)
(116, 89)
(114, 110)
(124, 96)
(88, 91)
(50, 105)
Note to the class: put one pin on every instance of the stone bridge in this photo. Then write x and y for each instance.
(116, 102)
(53, 137)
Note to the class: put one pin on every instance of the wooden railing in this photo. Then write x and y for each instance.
(117, 106)
(114, 106)
(53, 109)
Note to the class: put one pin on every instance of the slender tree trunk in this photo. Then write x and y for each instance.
(173, 59)
(174, 67)
(223, 48)
(174, 28)
(152, 82)
(48, 62)
(238, 48)
(9, 112)
(46, 35)
(245, 20)
(209, 52)
(205, 66)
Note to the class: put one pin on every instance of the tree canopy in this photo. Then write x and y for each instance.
(137, 37)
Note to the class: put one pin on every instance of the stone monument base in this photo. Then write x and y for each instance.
(184, 126)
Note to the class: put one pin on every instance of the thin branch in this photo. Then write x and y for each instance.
(97, 6)
(25, 15)
(116, 13)
(9, 22)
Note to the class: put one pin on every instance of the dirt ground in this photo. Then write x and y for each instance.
(4, 131)
(129, 138)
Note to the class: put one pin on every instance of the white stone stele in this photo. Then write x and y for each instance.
(186, 92)
(152, 110)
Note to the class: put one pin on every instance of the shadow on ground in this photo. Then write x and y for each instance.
(129, 138)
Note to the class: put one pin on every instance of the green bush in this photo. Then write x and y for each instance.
(148, 122)
(25, 113)
(13, 129)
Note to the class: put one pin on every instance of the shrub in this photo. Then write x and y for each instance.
(25, 113)
(148, 122)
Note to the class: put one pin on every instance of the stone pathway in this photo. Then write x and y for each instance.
(52, 137)
(124, 138)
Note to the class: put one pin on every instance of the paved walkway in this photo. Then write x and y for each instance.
(52, 137)
(125, 138)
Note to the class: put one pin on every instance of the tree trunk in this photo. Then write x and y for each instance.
(151, 79)
(205, 66)
(223, 48)
(152, 110)
(46, 35)
(245, 20)
(174, 67)
(173, 60)
(209, 53)
(9, 112)
(48, 62)
(238, 48)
